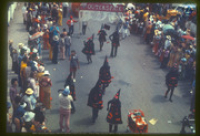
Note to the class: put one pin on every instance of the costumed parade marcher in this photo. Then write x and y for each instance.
(70, 23)
(172, 80)
(69, 82)
(95, 100)
(102, 38)
(88, 49)
(114, 38)
(104, 75)
(114, 114)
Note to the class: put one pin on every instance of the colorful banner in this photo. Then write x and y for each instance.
(107, 7)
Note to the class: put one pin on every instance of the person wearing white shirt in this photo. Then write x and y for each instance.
(65, 108)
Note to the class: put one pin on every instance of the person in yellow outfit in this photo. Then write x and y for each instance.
(60, 16)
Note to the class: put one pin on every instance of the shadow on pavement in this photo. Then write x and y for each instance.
(84, 121)
(83, 63)
(159, 99)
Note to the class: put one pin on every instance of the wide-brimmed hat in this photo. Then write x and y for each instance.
(10, 41)
(168, 37)
(41, 68)
(46, 73)
(20, 45)
(28, 116)
(56, 38)
(29, 91)
(66, 91)
(35, 50)
(25, 48)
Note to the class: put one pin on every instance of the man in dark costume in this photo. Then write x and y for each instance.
(69, 82)
(114, 114)
(114, 38)
(172, 80)
(104, 75)
(102, 37)
(88, 49)
(95, 100)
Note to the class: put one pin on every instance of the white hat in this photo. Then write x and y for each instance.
(28, 116)
(35, 50)
(20, 45)
(46, 73)
(25, 48)
(56, 38)
(41, 68)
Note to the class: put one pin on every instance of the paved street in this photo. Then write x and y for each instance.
(135, 70)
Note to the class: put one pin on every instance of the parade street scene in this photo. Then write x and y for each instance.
(101, 68)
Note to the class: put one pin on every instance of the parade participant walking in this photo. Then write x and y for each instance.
(62, 46)
(45, 90)
(114, 113)
(102, 38)
(88, 49)
(95, 100)
(55, 45)
(65, 109)
(104, 75)
(74, 64)
(13, 90)
(84, 27)
(114, 38)
(172, 80)
(69, 82)
(70, 24)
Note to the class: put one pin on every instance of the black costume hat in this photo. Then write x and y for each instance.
(117, 94)
(106, 61)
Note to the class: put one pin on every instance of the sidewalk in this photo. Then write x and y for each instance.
(17, 32)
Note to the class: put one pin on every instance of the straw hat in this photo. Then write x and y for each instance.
(28, 116)
(29, 91)
(56, 38)
(46, 73)
(156, 31)
(25, 48)
(41, 69)
(168, 37)
(35, 50)
(20, 45)
(10, 41)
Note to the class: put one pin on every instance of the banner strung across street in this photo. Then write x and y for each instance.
(107, 7)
